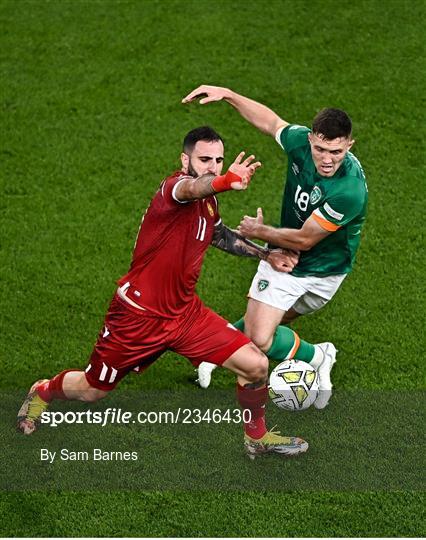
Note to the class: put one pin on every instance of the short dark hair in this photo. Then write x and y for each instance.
(332, 123)
(203, 133)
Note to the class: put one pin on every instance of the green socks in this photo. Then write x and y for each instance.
(239, 325)
(286, 343)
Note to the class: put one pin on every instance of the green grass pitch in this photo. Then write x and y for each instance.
(91, 121)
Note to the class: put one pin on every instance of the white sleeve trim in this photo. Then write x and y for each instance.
(218, 222)
(318, 213)
(278, 135)
(332, 212)
(174, 190)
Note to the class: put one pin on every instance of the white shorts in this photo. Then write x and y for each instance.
(284, 291)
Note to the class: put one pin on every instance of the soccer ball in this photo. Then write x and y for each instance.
(293, 385)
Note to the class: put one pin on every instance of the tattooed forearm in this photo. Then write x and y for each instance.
(228, 240)
(195, 188)
(204, 185)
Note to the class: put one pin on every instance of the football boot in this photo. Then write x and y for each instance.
(31, 410)
(324, 374)
(205, 374)
(274, 442)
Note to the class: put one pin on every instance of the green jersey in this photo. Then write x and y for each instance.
(337, 203)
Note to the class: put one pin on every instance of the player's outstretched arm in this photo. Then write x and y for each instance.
(299, 239)
(232, 242)
(257, 114)
(237, 178)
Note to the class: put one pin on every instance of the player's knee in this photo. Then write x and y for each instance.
(91, 394)
(257, 369)
(261, 340)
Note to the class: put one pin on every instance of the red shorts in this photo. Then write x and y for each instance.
(133, 339)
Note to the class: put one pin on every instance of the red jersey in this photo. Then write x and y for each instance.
(169, 251)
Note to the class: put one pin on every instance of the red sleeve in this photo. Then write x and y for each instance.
(167, 187)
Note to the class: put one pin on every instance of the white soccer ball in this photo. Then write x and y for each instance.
(293, 385)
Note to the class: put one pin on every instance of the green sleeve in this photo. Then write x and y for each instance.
(344, 205)
(292, 137)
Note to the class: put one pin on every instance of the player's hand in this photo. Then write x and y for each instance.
(207, 94)
(249, 225)
(244, 169)
(283, 260)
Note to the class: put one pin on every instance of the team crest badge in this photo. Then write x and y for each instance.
(262, 284)
(210, 209)
(315, 196)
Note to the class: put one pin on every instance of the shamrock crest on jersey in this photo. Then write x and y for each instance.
(315, 196)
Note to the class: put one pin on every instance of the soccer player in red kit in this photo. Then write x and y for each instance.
(156, 307)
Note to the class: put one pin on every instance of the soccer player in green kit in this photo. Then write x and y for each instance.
(323, 210)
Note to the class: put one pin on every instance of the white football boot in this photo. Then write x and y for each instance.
(205, 374)
(323, 367)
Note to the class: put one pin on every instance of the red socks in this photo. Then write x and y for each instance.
(254, 401)
(52, 389)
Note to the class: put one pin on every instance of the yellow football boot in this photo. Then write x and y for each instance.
(271, 442)
(30, 411)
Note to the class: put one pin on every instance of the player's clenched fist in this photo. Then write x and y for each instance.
(238, 175)
(283, 260)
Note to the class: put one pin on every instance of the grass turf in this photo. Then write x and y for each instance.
(92, 121)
